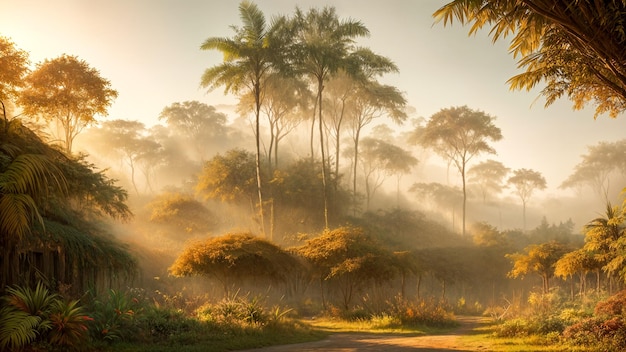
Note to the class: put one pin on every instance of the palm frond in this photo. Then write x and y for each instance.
(17, 328)
(17, 212)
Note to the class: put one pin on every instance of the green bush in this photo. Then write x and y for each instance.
(537, 325)
(30, 318)
(116, 316)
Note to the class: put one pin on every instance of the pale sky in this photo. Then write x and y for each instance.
(149, 50)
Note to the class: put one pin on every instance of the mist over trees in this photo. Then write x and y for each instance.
(343, 220)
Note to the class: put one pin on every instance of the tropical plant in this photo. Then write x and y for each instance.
(29, 316)
(115, 316)
(324, 45)
(575, 47)
(69, 324)
(538, 259)
(37, 214)
(249, 59)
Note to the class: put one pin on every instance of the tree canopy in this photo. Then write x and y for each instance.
(69, 91)
(13, 70)
(459, 134)
(526, 182)
(575, 47)
(234, 257)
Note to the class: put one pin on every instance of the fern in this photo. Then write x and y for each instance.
(17, 328)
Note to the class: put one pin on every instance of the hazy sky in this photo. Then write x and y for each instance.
(149, 50)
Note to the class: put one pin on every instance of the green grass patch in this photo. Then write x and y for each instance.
(207, 339)
(484, 338)
(377, 325)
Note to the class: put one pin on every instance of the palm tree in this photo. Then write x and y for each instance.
(325, 45)
(602, 237)
(249, 59)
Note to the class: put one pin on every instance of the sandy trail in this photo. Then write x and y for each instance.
(351, 342)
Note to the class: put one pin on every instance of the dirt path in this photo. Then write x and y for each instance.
(352, 342)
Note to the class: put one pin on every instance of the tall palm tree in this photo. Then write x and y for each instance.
(325, 44)
(249, 58)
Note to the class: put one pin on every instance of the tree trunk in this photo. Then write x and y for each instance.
(313, 126)
(464, 196)
(257, 101)
(354, 168)
(323, 155)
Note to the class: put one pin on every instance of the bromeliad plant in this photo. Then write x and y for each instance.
(29, 317)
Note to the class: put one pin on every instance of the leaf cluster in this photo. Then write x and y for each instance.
(575, 47)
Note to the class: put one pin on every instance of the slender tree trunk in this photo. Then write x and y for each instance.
(270, 171)
(321, 131)
(524, 215)
(4, 115)
(257, 101)
(132, 174)
(354, 168)
(464, 196)
(419, 285)
(338, 141)
(313, 125)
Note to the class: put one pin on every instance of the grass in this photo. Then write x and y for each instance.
(482, 338)
(289, 332)
(377, 325)
(228, 340)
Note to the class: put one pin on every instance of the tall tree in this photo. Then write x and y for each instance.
(604, 237)
(526, 182)
(68, 91)
(13, 70)
(440, 195)
(129, 141)
(458, 134)
(373, 100)
(200, 123)
(325, 42)
(340, 90)
(350, 258)
(597, 166)
(228, 177)
(284, 102)
(538, 259)
(489, 175)
(575, 47)
(380, 159)
(249, 58)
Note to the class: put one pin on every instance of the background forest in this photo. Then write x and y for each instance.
(320, 192)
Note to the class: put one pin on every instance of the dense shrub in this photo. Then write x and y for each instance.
(428, 312)
(116, 316)
(612, 306)
(536, 325)
(42, 320)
